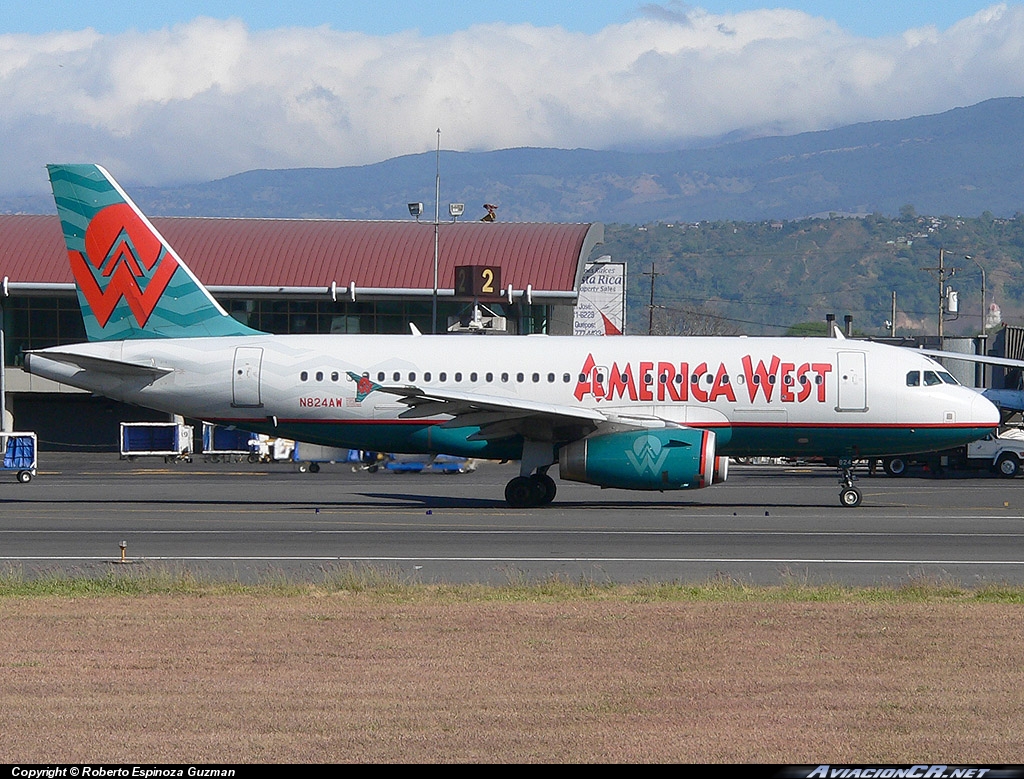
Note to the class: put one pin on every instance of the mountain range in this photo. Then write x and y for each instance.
(961, 162)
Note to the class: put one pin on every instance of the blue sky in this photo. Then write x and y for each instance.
(191, 91)
(432, 17)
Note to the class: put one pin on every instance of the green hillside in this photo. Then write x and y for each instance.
(764, 277)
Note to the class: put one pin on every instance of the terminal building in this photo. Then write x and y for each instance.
(292, 276)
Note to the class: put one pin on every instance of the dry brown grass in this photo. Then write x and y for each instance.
(342, 676)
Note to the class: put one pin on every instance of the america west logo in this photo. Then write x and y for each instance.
(648, 455)
(123, 260)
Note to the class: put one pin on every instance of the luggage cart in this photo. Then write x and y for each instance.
(227, 443)
(19, 454)
(170, 440)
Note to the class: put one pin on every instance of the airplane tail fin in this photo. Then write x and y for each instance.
(131, 283)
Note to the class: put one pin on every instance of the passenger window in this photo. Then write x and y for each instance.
(551, 378)
(520, 378)
(412, 376)
(504, 377)
(442, 376)
(426, 376)
(396, 376)
(914, 379)
(334, 376)
(458, 376)
(304, 376)
(472, 377)
(380, 376)
(319, 375)
(489, 378)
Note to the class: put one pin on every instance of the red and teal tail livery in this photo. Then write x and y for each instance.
(131, 283)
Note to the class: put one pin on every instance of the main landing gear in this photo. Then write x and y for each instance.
(529, 491)
(532, 487)
(849, 496)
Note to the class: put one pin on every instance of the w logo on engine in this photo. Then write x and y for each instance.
(123, 260)
(648, 454)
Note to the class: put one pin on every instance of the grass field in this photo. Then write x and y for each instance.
(358, 668)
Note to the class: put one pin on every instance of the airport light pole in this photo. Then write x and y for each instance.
(984, 309)
(3, 362)
(437, 224)
(979, 369)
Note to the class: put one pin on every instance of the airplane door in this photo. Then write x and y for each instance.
(245, 377)
(853, 385)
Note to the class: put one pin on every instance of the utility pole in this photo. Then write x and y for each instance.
(943, 278)
(650, 308)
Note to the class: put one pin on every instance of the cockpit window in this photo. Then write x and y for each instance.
(947, 378)
(914, 379)
(931, 379)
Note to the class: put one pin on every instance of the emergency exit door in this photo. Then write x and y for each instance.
(245, 377)
(853, 382)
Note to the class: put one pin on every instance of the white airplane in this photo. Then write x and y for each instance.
(630, 412)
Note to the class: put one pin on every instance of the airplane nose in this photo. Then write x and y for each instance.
(984, 411)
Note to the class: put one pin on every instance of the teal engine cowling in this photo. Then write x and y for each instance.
(655, 459)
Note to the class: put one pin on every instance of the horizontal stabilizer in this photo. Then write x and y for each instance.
(98, 364)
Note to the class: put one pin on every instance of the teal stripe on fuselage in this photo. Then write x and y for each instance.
(843, 441)
(745, 441)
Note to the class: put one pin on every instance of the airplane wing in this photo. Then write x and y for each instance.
(502, 417)
(1006, 362)
(86, 362)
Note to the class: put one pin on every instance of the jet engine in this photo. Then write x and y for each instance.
(655, 459)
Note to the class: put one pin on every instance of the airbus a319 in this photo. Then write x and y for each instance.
(640, 413)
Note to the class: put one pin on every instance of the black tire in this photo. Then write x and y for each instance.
(895, 466)
(547, 489)
(850, 498)
(314, 467)
(1007, 465)
(24, 476)
(521, 492)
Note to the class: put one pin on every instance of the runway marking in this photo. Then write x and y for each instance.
(524, 532)
(395, 559)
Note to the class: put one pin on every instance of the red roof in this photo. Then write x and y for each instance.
(313, 253)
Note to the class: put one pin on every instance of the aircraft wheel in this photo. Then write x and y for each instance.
(24, 476)
(850, 497)
(547, 488)
(895, 466)
(521, 492)
(1007, 465)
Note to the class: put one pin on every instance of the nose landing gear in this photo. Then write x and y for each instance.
(849, 496)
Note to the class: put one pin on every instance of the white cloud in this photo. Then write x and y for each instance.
(211, 97)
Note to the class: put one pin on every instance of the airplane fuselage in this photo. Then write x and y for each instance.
(761, 396)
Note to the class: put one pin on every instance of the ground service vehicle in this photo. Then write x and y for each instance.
(1002, 453)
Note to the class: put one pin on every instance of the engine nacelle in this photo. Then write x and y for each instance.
(655, 459)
